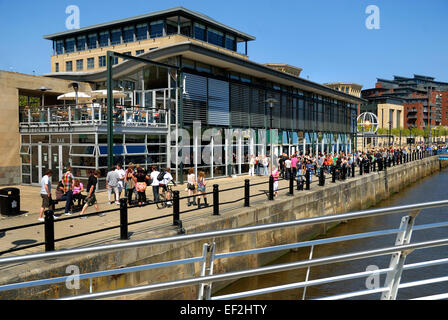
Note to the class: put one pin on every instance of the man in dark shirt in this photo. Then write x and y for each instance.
(91, 199)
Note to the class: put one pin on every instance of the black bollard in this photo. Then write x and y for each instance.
(247, 193)
(307, 182)
(374, 165)
(353, 170)
(216, 200)
(360, 168)
(291, 185)
(124, 218)
(321, 177)
(271, 188)
(333, 174)
(49, 231)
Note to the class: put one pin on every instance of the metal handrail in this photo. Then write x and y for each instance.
(263, 270)
(224, 233)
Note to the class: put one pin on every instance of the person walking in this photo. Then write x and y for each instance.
(141, 185)
(265, 165)
(202, 184)
(112, 180)
(252, 166)
(91, 198)
(129, 182)
(167, 178)
(155, 183)
(121, 175)
(67, 181)
(294, 161)
(191, 186)
(288, 168)
(45, 194)
(275, 175)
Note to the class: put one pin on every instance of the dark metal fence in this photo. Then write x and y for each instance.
(333, 173)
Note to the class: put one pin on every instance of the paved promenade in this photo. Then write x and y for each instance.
(31, 202)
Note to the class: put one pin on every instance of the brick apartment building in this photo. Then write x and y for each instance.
(424, 100)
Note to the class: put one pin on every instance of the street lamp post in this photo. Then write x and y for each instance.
(271, 103)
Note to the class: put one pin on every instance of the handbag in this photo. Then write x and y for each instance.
(141, 186)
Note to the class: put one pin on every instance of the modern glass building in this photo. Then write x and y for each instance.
(208, 111)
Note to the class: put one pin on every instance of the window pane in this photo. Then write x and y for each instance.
(142, 31)
(90, 63)
(215, 37)
(92, 41)
(102, 61)
(199, 31)
(157, 29)
(81, 43)
(79, 64)
(115, 37)
(69, 66)
(128, 34)
(104, 39)
(60, 47)
(70, 45)
(171, 27)
(230, 43)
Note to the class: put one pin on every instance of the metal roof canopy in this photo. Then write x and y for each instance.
(190, 50)
(163, 13)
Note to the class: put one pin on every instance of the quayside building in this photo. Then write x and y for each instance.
(212, 85)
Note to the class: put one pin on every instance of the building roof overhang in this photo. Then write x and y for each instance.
(216, 58)
(163, 13)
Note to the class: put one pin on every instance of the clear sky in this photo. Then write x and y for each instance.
(327, 38)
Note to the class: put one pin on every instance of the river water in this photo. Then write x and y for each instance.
(432, 188)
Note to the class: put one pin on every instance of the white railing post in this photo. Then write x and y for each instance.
(203, 268)
(69, 114)
(308, 272)
(397, 260)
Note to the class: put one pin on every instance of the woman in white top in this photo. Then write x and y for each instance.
(191, 186)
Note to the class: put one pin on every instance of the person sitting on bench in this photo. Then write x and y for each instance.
(77, 189)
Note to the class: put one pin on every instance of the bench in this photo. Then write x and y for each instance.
(54, 202)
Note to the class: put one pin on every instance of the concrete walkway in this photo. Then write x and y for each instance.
(66, 227)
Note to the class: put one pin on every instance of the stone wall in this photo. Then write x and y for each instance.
(354, 194)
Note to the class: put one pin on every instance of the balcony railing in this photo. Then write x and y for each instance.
(92, 114)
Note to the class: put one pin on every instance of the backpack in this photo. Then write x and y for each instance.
(161, 175)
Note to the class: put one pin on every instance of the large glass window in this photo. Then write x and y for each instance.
(199, 32)
(60, 47)
(215, 37)
(128, 34)
(70, 45)
(104, 39)
(115, 37)
(230, 43)
(81, 43)
(92, 41)
(157, 29)
(142, 31)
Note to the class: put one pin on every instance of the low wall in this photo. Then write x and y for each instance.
(353, 194)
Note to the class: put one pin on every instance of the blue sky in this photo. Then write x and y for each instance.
(327, 38)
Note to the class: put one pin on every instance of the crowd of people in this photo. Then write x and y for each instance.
(134, 182)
